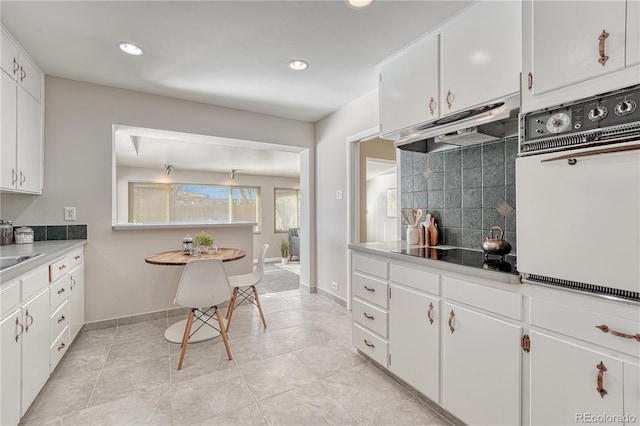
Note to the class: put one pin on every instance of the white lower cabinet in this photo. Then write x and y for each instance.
(588, 382)
(76, 300)
(10, 364)
(481, 367)
(414, 339)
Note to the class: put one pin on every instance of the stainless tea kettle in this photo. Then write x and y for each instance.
(496, 245)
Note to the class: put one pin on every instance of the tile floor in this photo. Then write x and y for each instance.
(302, 370)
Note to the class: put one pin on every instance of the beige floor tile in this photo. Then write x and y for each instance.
(141, 330)
(409, 413)
(249, 415)
(200, 359)
(328, 359)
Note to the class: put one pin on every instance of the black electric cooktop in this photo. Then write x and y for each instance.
(464, 257)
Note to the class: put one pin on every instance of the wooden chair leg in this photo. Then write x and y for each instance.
(223, 332)
(185, 338)
(255, 295)
(232, 304)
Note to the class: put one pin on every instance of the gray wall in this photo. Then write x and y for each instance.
(462, 188)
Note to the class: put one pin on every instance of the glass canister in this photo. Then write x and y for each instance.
(187, 245)
(6, 233)
(24, 235)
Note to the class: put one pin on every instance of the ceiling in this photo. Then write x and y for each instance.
(233, 54)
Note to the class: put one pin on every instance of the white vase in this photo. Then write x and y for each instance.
(412, 234)
(285, 260)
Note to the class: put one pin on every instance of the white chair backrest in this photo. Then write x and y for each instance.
(203, 283)
(259, 271)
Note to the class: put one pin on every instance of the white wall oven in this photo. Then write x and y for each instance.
(578, 195)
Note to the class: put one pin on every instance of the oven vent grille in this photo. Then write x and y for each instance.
(589, 288)
(582, 139)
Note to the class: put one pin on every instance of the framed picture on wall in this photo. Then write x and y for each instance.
(392, 202)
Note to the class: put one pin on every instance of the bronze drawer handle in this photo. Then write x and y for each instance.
(371, 345)
(449, 99)
(367, 316)
(601, 369)
(429, 312)
(451, 315)
(432, 105)
(76, 257)
(603, 58)
(370, 290)
(62, 290)
(62, 318)
(21, 329)
(61, 347)
(605, 329)
(60, 268)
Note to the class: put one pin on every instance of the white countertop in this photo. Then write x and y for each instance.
(50, 251)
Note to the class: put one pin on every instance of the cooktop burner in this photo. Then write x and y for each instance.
(465, 257)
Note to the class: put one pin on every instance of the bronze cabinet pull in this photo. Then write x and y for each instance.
(76, 257)
(16, 67)
(61, 267)
(23, 178)
(449, 99)
(27, 315)
(73, 282)
(429, 312)
(61, 291)
(601, 369)
(432, 105)
(605, 329)
(367, 316)
(370, 290)
(451, 315)
(530, 81)
(371, 345)
(61, 347)
(62, 318)
(21, 329)
(14, 177)
(23, 74)
(603, 58)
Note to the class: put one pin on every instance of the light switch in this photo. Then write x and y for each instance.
(339, 194)
(69, 213)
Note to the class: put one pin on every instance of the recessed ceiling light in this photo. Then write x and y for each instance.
(130, 48)
(298, 65)
(358, 4)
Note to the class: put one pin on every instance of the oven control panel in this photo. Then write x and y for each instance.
(599, 112)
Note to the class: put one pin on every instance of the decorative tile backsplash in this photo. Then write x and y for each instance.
(58, 232)
(468, 190)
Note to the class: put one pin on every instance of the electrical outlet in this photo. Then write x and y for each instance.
(339, 194)
(69, 213)
(334, 286)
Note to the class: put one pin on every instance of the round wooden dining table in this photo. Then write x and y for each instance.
(175, 331)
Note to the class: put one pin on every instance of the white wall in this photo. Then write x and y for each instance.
(380, 227)
(331, 175)
(78, 172)
(266, 183)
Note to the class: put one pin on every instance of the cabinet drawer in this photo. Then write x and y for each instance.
(369, 316)
(375, 267)
(9, 297)
(370, 289)
(58, 269)
(59, 292)
(59, 320)
(76, 258)
(484, 297)
(59, 348)
(370, 344)
(34, 282)
(582, 324)
(416, 278)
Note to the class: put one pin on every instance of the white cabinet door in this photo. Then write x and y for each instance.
(414, 339)
(481, 55)
(632, 389)
(8, 172)
(481, 367)
(633, 33)
(10, 328)
(76, 300)
(565, 41)
(409, 87)
(9, 56)
(29, 143)
(29, 77)
(566, 372)
(35, 348)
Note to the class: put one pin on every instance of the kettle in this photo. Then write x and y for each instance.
(496, 245)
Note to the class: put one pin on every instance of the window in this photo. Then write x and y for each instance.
(287, 209)
(167, 203)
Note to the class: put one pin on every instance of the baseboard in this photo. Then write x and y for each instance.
(332, 297)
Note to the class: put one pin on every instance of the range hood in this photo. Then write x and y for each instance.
(493, 121)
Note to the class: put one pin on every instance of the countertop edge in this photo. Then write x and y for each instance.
(133, 227)
(436, 264)
(50, 249)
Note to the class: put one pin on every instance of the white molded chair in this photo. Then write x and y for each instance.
(203, 286)
(244, 285)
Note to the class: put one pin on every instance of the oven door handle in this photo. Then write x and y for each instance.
(594, 152)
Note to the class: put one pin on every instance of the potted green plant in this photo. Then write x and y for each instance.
(202, 242)
(284, 251)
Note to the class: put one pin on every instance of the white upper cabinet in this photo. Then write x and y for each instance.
(481, 55)
(409, 87)
(577, 49)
